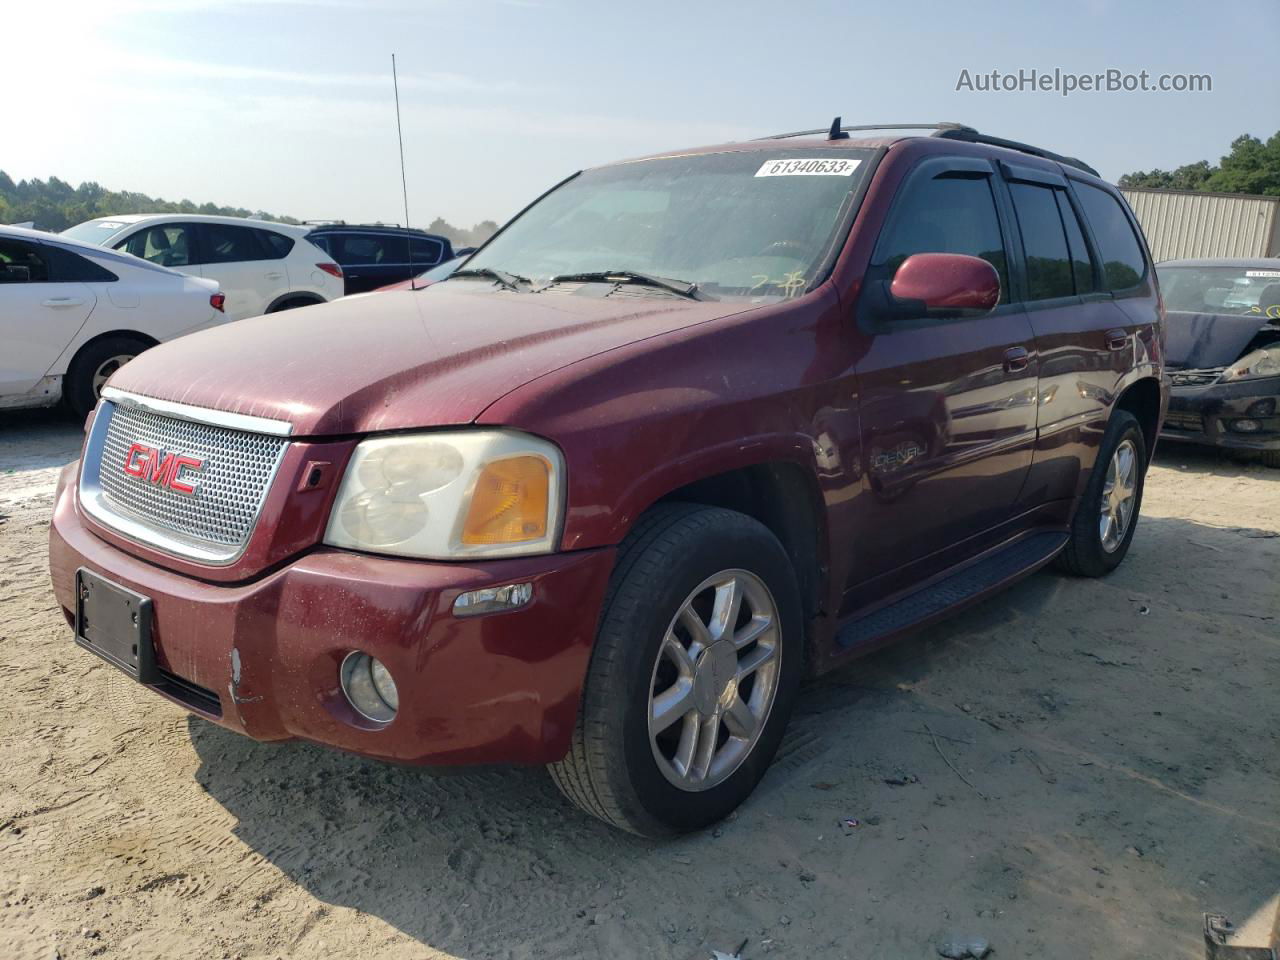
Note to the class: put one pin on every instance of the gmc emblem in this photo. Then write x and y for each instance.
(161, 469)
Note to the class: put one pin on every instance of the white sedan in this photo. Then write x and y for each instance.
(72, 313)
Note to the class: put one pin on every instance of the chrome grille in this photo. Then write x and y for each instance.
(214, 523)
(1195, 378)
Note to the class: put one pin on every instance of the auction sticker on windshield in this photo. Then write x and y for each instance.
(808, 167)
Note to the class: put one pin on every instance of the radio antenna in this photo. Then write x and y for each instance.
(404, 182)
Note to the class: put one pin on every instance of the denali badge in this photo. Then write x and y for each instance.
(160, 468)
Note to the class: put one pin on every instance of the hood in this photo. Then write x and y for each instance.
(1198, 341)
(399, 359)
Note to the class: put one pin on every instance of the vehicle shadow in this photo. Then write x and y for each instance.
(1059, 715)
(37, 439)
(1196, 459)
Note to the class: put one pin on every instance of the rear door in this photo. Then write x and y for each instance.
(1086, 339)
(370, 260)
(39, 313)
(948, 406)
(250, 274)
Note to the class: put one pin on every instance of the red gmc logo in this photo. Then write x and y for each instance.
(160, 468)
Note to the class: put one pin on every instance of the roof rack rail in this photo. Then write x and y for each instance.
(323, 223)
(948, 131)
(836, 128)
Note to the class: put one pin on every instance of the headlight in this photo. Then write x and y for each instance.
(444, 496)
(1260, 363)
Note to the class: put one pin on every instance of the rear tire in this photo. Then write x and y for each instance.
(730, 683)
(1091, 552)
(91, 367)
(1271, 458)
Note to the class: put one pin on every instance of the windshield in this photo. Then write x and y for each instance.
(94, 231)
(1222, 290)
(753, 224)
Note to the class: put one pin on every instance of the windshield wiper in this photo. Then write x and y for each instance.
(682, 287)
(511, 281)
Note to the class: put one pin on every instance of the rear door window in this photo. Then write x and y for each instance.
(166, 244)
(1123, 263)
(947, 214)
(369, 250)
(1044, 242)
(426, 251)
(1081, 263)
(224, 243)
(21, 262)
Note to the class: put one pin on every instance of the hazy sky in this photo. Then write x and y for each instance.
(287, 106)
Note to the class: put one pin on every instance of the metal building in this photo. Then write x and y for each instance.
(1193, 223)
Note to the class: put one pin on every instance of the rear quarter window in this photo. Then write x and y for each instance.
(67, 267)
(277, 245)
(1123, 263)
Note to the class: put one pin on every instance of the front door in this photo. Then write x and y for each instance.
(948, 407)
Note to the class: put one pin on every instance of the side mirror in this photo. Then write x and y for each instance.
(944, 285)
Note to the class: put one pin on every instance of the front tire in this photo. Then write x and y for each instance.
(1107, 513)
(695, 669)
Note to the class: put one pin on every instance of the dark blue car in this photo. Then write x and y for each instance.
(374, 255)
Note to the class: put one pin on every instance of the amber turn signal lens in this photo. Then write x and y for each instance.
(509, 504)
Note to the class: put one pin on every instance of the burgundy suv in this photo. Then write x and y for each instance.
(686, 430)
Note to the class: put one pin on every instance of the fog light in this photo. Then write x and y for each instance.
(1246, 426)
(1263, 408)
(492, 599)
(368, 687)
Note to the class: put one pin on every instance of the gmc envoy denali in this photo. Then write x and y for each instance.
(686, 430)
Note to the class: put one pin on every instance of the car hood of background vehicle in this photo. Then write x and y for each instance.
(1197, 341)
(396, 360)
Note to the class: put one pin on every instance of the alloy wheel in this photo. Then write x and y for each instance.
(106, 369)
(1119, 494)
(714, 680)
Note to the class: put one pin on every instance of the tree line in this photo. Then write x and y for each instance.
(54, 205)
(1251, 166)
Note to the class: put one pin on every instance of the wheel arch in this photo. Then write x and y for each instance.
(294, 298)
(784, 497)
(1142, 399)
(149, 340)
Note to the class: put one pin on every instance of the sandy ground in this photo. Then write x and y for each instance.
(1117, 741)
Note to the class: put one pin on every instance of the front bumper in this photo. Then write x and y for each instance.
(262, 657)
(1212, 414)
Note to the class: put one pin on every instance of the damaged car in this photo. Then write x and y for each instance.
(1224, 353)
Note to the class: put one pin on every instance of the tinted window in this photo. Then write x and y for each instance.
(224, 243)
(277, 245)
(21, 262)
(1044, 242)
(426, 251)
(169, 244)
(321, 242)
(66, 267)
(946, 215)
(364, 249)
(1081, 265)
(1122, 260)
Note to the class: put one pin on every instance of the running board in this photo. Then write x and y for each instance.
(980, 577)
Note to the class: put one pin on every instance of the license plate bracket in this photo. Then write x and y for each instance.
(115, 623)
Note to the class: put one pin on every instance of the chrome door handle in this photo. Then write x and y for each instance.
(1117, 339)
(275, 276)
(1016, 359)
(58, 302)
